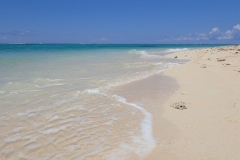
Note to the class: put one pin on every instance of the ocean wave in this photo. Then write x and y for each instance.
(144, 54)
(170, 64)
(176, 49)
(93, 91)
(141, 65)
(53, 80)
(45, 80)
(160, 67)
(49, 85)
(22, 91)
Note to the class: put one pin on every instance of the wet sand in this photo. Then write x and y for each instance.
(151, 93)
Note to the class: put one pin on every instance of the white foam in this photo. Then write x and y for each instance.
(144, 54)
(53, 118)
(54, 80)
(145, 143)
(136, 77)
(176, 50)
(54, 84)
(13, 138)
(2, 92)
(48, 79)
(35, 111)
(31, 138)
(56, 129)
(38, 86)
(160, 67)
(109, 123)
(22, 91)
(78, 92)
(93, 91)
(79, 107)
(47, 82)
(169, 64)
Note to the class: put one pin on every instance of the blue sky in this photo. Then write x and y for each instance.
(120, 21)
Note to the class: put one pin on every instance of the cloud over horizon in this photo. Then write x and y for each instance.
(231, 34)
(214, 34)
(13, 35)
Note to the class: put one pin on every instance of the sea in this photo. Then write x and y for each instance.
(56, 100)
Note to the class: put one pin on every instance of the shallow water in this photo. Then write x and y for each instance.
(55, 100)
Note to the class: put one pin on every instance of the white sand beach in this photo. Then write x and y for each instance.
(210, 87)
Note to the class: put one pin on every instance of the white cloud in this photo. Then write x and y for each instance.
(237, 27)
(215, 31)
(231, 34)
(226, 35)
(201, 36)
(189, 37)
(214, 34)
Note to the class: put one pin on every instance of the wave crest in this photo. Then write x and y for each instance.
(144, 54)
(176, 50)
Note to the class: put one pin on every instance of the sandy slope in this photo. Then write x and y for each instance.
(210, 127)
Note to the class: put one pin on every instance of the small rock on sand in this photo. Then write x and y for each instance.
(221, 59)
(179, 105)
(203, 66)
(175, 57)
(226, 64)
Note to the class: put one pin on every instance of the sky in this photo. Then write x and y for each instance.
(120, 21)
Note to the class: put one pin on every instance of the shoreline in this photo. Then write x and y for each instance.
(150, 93)
(133, 117)
(210, 86)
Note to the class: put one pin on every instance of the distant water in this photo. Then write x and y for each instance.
(55, 104)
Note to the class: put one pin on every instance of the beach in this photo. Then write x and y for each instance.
(120, 80)
(65, 100)
(210, 87)
(114, 102)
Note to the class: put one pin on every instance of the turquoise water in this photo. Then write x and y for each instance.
(31, 57)
(55, 100)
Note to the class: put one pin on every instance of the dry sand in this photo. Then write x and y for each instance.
(209, 129)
